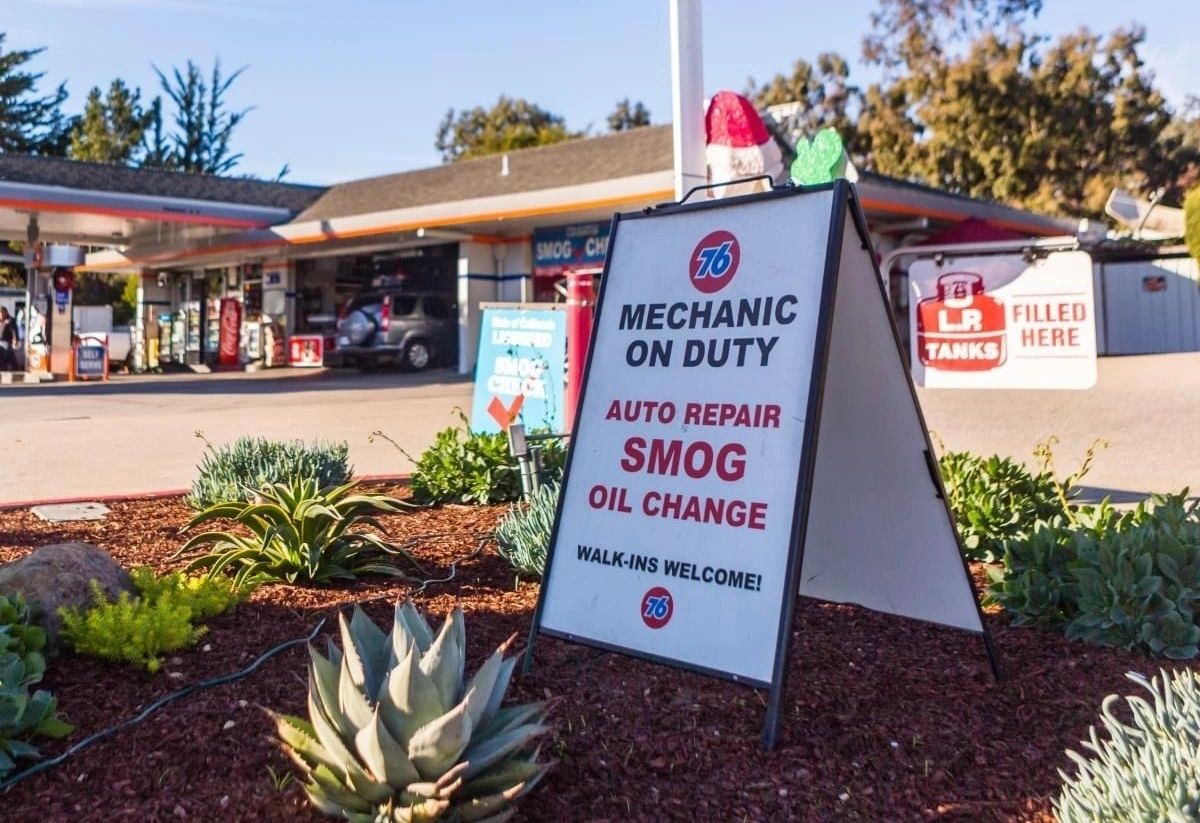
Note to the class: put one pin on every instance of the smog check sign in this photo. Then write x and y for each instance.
(676, 522)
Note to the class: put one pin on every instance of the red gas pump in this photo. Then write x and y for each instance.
(580, 305)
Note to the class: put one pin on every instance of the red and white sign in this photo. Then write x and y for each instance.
(306, 350)
(231, 324)
(998, 322)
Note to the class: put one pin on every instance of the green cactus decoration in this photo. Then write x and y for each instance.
(822, 160)
(1147, 771)
(396, 735)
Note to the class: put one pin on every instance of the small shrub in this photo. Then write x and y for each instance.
(995, 498)
(524, 533)
(474, 468)
(161, 619)
(300, 533)
(396, 732)
(1146, 771)
(1130, 580)
(24, 716)
(19, 637)
(237, 470)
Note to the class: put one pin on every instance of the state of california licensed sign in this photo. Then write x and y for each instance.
(684, 531)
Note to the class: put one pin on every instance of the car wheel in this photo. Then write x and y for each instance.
(417, 355)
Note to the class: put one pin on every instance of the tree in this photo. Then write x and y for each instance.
(203, 121)
(628, 116)
(30, 123)
(112, 127)
(512, 123)
(824, 98)
(1191, 218)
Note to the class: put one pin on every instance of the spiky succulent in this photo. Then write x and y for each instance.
(1146, 771)
(395, 735)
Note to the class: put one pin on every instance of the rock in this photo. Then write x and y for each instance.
(60, 575)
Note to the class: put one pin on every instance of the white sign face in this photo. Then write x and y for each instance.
(997, 322)
(676, 521)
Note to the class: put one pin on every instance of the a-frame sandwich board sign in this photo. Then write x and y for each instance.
(748, 431)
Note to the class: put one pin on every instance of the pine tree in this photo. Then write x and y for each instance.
(203, 121)
(112, 128)
(30, 123)
(628, 116)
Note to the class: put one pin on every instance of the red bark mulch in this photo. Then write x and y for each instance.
(886, 718)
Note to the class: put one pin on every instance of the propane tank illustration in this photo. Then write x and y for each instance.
(961, 328)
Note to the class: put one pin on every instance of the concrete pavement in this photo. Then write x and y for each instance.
(136, 434)
(1147, 408)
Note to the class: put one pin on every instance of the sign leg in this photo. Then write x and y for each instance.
(774, 722)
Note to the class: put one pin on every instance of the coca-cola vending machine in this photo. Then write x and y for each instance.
(231, 326)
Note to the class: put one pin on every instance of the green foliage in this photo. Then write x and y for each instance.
(112, 126)
(30, 123)
(23, 715)
(469, 467)
(512, 123)
(996, 499)
(627, 115)
(19, 637)
(1191, 216)
(237, 470)
(524, 533)
(163, 617)
(971, 100)
(1144, 771)
(299, 533)
(203, 122)
(396, 733)
(1130, 580)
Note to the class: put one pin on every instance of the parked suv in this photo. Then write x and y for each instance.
(412, 329)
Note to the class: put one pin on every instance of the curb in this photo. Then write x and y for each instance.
(402, 479)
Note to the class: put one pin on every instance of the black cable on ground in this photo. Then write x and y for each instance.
(155, 706)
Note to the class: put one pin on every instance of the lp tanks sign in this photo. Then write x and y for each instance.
(747, 432)
(1000, 323)
(520, 368)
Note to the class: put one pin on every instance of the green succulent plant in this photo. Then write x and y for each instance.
(20, 637)
(524, 533)
(396, 734)
(24, 715)
(1145, 771)
(298, 533)
(235, 471)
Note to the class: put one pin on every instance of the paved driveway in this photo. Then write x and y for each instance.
(1147, 408)
(136, 434)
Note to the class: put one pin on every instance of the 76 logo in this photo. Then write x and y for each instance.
(714, 261)
(657, 607)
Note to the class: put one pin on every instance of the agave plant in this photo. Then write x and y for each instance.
(394, 734)
(299, 532)
(23, 714)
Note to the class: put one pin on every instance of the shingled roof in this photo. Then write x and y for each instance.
(638, 151)
(54, 171)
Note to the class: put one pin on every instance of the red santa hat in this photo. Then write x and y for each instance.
(739, 144)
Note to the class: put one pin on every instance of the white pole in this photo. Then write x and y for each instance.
(687, 96)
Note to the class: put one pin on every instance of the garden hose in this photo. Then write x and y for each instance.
(155, 706)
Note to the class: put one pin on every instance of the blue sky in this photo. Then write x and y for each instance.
(351, 88)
